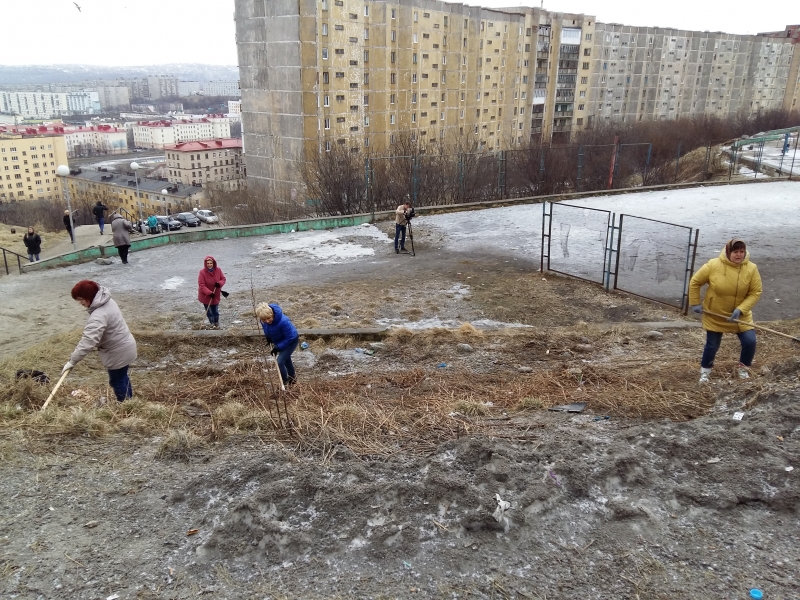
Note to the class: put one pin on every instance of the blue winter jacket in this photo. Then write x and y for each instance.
(281, 332)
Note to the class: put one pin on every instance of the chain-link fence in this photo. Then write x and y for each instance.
(644, 257)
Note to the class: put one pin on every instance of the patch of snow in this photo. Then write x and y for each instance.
(330, 246)
(447, 324)
(173, 283)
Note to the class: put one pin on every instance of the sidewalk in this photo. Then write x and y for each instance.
(86, 236)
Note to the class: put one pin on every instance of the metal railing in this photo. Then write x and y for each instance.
(5, 259)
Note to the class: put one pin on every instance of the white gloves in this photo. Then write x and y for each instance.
(67, 367)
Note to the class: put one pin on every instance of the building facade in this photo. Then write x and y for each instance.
(203, 163)
(159, 134)
(95, 140)
(222, 88)
(118, 191)
(49, 105)
(367, 74)
(647, 73)
(28, 163)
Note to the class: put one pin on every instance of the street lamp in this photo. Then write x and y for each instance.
(135, 168)
(62, 171)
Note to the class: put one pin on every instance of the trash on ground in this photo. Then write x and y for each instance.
(789, 469)
(193, 532)
(91, 524)
(605, 418)
(304, 346)
(502, 507)
(236, 322)
(738, 416)
(441, 366)
(756, 594)
(575, 407)
(113, 597)
(714, 460)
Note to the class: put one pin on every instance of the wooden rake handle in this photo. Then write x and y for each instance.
(786, 335)
(55, 389)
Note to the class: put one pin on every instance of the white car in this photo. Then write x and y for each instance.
(207, 216)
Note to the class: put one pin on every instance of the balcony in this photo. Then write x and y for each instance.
(563, 113)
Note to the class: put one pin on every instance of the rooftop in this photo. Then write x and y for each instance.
(58, 129)
(128, 181)
(199, 146)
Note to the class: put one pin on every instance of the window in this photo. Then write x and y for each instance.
(327, 123)
(366, 33)
(327, 145)
(414, 58)
(325, 77)
(324, 54)
(413, 78)
(394, 13)
(394, 35)
(415, 38)
(391, 119)
(339, 74)
(366, 56)
(366, 99)
(584, 80)
(581, 106)
(585, 66)
(391, 98)
(326, 101)
(392, 78)
(416, 16)
(392, 57)
(366, 10)
(413, 97)
(324, 29)
(413, 117)
(366, 81)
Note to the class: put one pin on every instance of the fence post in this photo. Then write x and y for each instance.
(613, 163)
(414, 179)
(609, 255)
(616, 161)
(677, 163)
(366, 187)
(708, 158)
(760, 153)
(501, 175)
(581, 150)
(647, 163)
(461, 192)
(5, 261)
(794, 156)
(541, 170)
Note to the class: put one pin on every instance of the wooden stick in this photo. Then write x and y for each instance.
(278, 369)
(791, 337)
(55, 389)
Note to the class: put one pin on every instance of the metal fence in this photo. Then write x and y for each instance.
(644, 257)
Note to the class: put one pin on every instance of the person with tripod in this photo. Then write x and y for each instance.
(403, 216)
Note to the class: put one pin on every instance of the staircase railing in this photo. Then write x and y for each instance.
(5, 259)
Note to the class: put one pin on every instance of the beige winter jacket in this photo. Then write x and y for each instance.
(400, 215)
(121, 229)
(107, 331)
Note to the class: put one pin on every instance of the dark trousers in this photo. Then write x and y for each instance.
(285, 365)
(102, 222)
(71, 236)
(400, 232)
(120, 382)
(123, 253)
(212, 310)
(714, 339)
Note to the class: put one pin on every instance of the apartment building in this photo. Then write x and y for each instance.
(48, 105)
(222, 88)
(118, 190)
(28, 163)
(159, 134)
(364, 75)
(648, 73)
(791, 34)
(234, 107)
(206, 162)
(94, 140)
(111, 97)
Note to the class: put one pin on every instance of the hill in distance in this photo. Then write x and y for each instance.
(34, 74)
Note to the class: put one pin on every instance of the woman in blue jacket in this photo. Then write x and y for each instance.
(282, 335)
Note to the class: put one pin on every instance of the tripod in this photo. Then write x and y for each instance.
(411, 237)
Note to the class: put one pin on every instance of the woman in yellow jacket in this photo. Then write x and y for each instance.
(734, 286)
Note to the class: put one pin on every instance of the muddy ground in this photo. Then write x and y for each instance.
(634, 506)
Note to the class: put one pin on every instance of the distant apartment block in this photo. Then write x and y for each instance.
(222, 88)
(80, 141)
(234, 107)
(28, 162)
(206, 162)
(112, 98)
(189, 88)
(48, 105)
(159, 134)
(647, 73)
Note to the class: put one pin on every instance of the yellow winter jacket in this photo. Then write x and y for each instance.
(730, 286)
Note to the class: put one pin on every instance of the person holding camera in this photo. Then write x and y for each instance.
(281, 333)
(403, 215)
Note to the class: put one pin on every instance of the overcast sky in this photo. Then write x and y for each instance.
(148, 32)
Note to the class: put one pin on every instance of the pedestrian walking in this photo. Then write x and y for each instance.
(209, 289)
(400, 223)
(68, 226)
(734, 287)
(107, 331)
(121, 228)
(33, 243)
(99, 211)
(281, 333)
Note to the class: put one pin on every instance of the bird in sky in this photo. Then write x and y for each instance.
(78, 7)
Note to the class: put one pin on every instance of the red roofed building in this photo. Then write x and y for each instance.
(160, 134)
(207, 161)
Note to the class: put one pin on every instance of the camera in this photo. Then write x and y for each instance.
(410, 213)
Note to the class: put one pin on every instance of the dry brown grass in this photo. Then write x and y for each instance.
(382, 412)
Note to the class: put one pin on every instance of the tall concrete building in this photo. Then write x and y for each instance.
(648, 73)
(28, 162)
(366, 74)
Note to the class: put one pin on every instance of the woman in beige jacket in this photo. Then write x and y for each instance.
(107, 331)
(734, 287)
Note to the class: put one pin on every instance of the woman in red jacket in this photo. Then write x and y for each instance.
(209, 284)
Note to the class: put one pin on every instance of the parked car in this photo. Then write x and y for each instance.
(188, 219)
(167, 223)
(207, 216)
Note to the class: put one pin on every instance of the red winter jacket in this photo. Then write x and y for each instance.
(206, 280)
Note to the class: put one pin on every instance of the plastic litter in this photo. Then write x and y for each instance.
(756, 594)
(575, 407)
(605, 418)
(714, 460)
(502, 507)
(359, 351)
(789, 469)
(441, 366)
(304, 345)
(738, 416)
